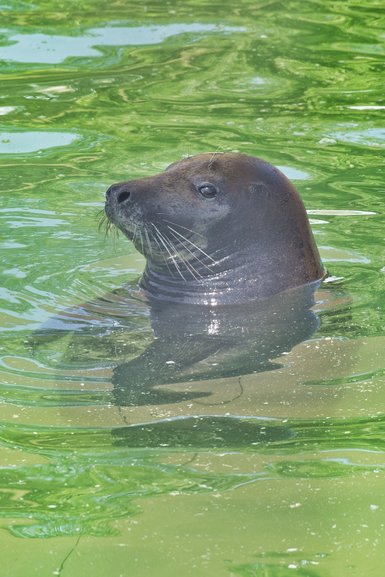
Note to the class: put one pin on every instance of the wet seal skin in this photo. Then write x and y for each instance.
(217, 228)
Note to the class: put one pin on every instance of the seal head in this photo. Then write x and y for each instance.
(217, 228)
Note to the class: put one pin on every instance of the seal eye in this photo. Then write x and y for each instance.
(208, 190)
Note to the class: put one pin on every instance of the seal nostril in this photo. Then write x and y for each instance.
(123, 196)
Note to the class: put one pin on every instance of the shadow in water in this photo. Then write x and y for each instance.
(209, 432)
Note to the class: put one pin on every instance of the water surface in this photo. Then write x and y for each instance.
(275, 473)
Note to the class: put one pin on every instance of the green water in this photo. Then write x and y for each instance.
(287, 479)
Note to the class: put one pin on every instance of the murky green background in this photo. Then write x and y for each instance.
(287, 479)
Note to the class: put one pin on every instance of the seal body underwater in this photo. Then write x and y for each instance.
(217, 229)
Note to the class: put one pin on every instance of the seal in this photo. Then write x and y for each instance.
(215, 229)
(231, 271)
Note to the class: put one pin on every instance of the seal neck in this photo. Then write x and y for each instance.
(233, 280)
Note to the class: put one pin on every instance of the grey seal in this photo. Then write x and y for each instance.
(215, 229)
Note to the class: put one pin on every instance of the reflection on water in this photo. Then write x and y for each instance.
(276, 467)
(6, 110)
(191, 343)
(25, 142)
(52, 49)
(368, 137)
(294, 174)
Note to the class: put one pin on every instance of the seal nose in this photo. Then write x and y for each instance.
(118, 192)
(123, 195)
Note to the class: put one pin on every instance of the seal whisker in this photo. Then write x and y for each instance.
(184, 261)
(194, 272)
(103, 219)
(107, 224)
(148, 241)
(211, 161)
(178, 255)
(181, 226)
(180, 240)
(194, 245)
(141, 241)
(162, 240)
(134, 234)
(192, 269)
(154, 236)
